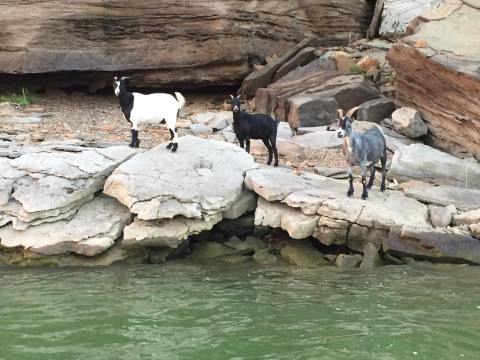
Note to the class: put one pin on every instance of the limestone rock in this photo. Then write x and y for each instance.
(216, 120)
(89, 38)
(439, 79)
(169, 233)
(76, 235)
(440, 216)
(203, 178)
(434, 244)
(318, 140)
(200, 129)
(463, 199)
(421, 162)
(302, 253)
(348, 261)
(376, 110)
(48, 184)
(468, 217)
(407, 121)
(475, 229)
(371, 258)
(246, 202)
(397, 14)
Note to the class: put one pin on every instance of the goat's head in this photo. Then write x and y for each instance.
(235, 102)
(344, 127)
(117, 83)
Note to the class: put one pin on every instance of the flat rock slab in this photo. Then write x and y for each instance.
(463, 199)
(318, 140)
(51, 183)
(202, 178)
(92, 230)
(433, 244)
(303, 203)
(422, 162)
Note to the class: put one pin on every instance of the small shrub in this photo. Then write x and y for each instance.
(23, 99)
(355, 69)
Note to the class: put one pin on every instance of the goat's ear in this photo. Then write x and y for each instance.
(340, 113)
(115, 78)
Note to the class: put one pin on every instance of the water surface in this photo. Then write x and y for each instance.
(211, 311)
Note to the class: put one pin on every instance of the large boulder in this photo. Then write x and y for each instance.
(77, 235)
(51, 184)
(191, 43)
(376, 110)
(438, 244)
(397, 15)
(437, 70)
(311, 205)
(422, 162)
(177, 195)
(408, 122)
(463, 199)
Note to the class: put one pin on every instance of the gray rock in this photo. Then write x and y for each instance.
(302, 253)
(475, 229)
(247, 202)
(216, 120)
(200, 129)
(438, 244)
(46, 184)
(318, 140)
(229, 136)
(397, 14)
(203, 178)
(348, 261)
(76, 235)
(163, 233)
(468, 217)
(407, 121)
(376, 110)
(243, 247)
(371, 258)
(264, 257)
(284, 131)
(463, 199)
(256, 243)
(335, 173)
(210, 250)
(440, 216)
(421, 162)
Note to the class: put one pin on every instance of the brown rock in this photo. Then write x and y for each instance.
(367, 63)
(442, 80)
(194, 43)
(343, 61)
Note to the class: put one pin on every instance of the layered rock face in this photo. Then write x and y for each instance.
(166, 43)
(438, 73)
(177, 196)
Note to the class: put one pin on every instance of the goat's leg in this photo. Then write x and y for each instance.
(137, 140)
(170, 144)
(273, 142)
(132, 143)
(350, 178)
(383, 160)
(247, 143)
(372, 177)
(242, 143)
(269, 148)
(174, 140)
(364, 181)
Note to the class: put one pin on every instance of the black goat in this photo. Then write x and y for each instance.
(254, 126)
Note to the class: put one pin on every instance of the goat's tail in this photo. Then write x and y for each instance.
(180, 99)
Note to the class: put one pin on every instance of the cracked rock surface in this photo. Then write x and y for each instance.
(52, 183)
(76, 235)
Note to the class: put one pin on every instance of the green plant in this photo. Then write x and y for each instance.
(355, 69)
(23, 99)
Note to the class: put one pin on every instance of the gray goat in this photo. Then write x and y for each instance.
(362, 149)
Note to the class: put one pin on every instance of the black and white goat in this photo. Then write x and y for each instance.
(363, 149)
(154, 108)
(254, 126)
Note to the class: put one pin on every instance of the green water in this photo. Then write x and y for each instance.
(222, 311)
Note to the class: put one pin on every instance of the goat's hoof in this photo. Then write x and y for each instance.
(174, 148)
(275, 165)
(131, 145)
(364, 196)
(169, 145)
(269, 163)
(382, 189)
(349, 193)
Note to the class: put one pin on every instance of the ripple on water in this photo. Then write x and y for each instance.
(214, 311)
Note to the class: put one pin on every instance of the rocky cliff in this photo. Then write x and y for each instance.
(189, 43)
(438, 72)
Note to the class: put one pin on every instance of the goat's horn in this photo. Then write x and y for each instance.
(232, 97)
(352, 111)
(124, 78)
(340, 113)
